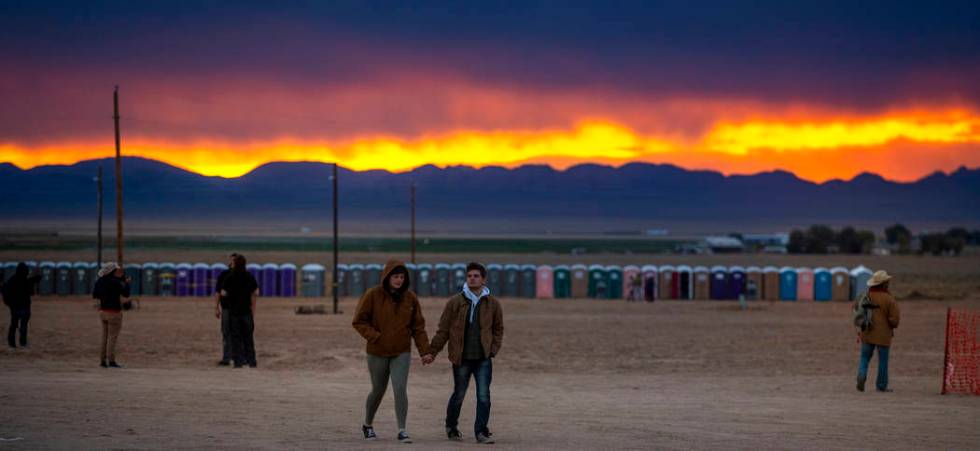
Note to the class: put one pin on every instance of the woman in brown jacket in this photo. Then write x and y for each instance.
(389, 317)
(884, 320)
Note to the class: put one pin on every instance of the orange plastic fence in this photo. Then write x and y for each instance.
(961, 373)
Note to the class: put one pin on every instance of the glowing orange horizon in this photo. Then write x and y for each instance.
(899, 146)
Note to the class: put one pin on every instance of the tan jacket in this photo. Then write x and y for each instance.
(884, 319)
(390, 326)
(452, 327)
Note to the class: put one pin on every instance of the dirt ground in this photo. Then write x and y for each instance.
(572, 374)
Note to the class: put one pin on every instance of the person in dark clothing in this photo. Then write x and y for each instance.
(17, 296)
(240, 288)
(472, 325)
(221, 312)
(112, 286)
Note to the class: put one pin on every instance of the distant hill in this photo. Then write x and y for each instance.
(634, 192)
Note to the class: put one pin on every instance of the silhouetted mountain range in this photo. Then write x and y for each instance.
(634, 191)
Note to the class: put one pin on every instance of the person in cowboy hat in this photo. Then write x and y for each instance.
(884, 321)
(112, 286)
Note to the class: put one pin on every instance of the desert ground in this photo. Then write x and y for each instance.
(573, 374)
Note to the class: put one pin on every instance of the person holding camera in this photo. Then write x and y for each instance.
(112, 286)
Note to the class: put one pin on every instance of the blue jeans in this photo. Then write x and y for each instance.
(867, 351)
(482, 371)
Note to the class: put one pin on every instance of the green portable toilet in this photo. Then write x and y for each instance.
(62, 281)
(512, 274)
(495, 279)
(614, 281)
(443, 280)
(313, 280)
(167, 279)
(79, 275)
(529, 278)
(148, 279)
(598, 282)
(562, 286)
(48, 276)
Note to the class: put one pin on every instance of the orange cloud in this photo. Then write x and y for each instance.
(901, 146)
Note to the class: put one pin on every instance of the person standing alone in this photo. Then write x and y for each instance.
(222, 313)
(241, 289)
(112, 286)
(878, 306)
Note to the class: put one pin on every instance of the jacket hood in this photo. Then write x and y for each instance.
(21, 270)
(389, 268)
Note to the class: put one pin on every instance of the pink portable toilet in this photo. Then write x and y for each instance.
(629, 273)
(545, 284)
(804, 284)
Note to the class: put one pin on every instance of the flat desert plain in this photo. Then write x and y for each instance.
(572, 374)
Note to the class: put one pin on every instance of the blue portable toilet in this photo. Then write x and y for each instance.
(313, 278)
(46, 286)
(614, 275)
(342, 272)
(787, 283)
(859, 280)
(512, 274)
(167, 279)
(80, 281)
(424, 284)
(183, 278)
(149, 276)
(823, 285)
(529, 281)
(62, 281)
(372, 274)
(736, 282)
(495, 279)
(132, 271)
(269, 283)
(200, 279)
(719, 282)
(215, 271)
(287, 280)
(443, 280)
(357, 284)
(459, 277)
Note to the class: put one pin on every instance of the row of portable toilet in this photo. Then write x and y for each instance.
(524, 281)
(160, 279)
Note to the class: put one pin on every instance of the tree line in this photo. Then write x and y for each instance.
(821, 239)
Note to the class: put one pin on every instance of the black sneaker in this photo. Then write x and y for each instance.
(223, 363)
(103, 364)
(368, 432)
(253, 365)
(404, 438)
(115, 365)
(483, 438)
(453, 434)
(861, 381)
(884, 390)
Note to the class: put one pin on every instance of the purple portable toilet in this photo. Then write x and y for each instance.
(268, 285)
(287, 280)
(201, 281)
(182, 279)
(216, 270)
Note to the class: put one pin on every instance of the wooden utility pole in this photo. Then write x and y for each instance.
(334, 287)
(98, 181)
(119, 196)
(413, 222)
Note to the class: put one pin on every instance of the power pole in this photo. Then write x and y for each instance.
(336, 302)
(119, 204)
(98, 181)
(413, 222)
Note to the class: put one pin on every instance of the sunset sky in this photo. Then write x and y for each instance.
(820, 88)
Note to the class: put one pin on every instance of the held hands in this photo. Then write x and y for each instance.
(427, 359)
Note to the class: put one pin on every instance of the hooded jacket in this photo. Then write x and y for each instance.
(19, 288)
(390, 319)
